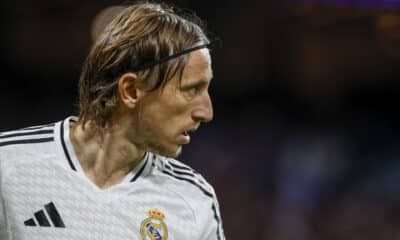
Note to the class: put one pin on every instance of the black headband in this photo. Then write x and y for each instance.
(176, 55)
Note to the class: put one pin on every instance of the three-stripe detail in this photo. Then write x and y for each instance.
(186, 176)
(185, 173)
(36, 134)
(43, 221)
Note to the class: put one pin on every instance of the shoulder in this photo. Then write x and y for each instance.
(28, 135)
(183, 178)
(197, 192)
(26, 141)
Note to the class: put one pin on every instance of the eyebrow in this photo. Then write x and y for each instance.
(200, 82)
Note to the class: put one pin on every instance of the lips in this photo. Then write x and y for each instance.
(190, 130)
(185, 134)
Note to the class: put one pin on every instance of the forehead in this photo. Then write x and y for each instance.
(198, 66)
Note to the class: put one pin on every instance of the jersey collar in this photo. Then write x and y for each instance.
(141, 170)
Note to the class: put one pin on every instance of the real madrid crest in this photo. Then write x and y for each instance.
(154, 227)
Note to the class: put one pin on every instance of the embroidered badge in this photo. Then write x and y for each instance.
(154, 227)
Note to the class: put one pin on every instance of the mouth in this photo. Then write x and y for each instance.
(185, 135)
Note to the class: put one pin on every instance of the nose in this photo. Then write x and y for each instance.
(204, 111)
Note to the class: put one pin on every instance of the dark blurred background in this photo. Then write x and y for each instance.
(305, 143)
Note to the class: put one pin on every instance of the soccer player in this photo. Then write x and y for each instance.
(110, 173)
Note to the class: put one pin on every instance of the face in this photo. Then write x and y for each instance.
(166, 118)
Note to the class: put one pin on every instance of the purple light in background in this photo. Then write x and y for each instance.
(351, 3)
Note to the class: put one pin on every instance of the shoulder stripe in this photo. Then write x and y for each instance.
(27, 141)
(177, 172)
(187, 171)
(184, 173)
(182, 167)
(206, 192)
(216, 217)
(65, 147)
(38, 126)
(38, 132)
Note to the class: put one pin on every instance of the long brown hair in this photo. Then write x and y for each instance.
(140, 33)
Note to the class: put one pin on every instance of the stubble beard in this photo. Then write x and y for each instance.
(159, 148)
(152, 142)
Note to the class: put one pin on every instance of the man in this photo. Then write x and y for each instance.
(110, 174)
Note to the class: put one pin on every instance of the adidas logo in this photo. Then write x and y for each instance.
(43, 220)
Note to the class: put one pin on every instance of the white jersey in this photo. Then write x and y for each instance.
(44, 194)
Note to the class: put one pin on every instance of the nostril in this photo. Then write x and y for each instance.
(202, 115)
(199, 115)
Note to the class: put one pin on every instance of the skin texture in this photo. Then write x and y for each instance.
(146, 121)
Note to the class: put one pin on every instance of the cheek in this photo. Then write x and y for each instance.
(164, 125)
(166, 111)
(165, 114)
(155, 122)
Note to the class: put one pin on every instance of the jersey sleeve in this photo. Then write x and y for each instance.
(210, 220)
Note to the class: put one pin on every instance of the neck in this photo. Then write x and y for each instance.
(106, 155)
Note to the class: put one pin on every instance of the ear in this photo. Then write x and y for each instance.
(128, 91)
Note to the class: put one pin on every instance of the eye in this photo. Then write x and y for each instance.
(192, 92)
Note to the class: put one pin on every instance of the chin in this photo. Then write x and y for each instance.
(173, 154)
(178, 152)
